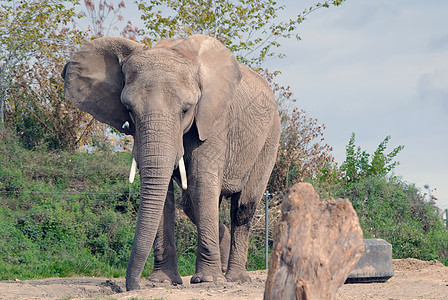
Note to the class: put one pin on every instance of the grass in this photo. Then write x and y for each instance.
(73, 214)
(64, 214)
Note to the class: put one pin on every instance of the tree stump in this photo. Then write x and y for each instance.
(316, 245)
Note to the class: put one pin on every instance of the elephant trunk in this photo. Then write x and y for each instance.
(156, 160)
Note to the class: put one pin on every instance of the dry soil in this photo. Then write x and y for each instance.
(413, 279)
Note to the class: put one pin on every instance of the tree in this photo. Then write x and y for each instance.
(359, 164)
(37, 109)
(250, 29)
(36, 44)
(29, 29)
(302, 154)
(103, 17)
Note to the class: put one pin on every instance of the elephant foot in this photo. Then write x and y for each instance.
(159, 276)
(238, 276)
(132, 284)
(200, 277)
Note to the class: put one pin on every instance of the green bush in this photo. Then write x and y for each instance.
(360, 165)
(65, 214)
(396, 211)
(387, 207)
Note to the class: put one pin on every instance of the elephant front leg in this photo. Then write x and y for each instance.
(204, 206)
(165, 259)
(208, 258)
(224, 235)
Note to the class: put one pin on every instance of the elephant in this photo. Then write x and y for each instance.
(198, 117)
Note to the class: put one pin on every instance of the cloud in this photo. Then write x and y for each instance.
(433, 89)
(377, 68)
(439, 42)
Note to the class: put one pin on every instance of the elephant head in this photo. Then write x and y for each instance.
(160, 92)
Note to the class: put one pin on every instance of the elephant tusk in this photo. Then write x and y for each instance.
(125, 125)
(183, 174)
(133, 170)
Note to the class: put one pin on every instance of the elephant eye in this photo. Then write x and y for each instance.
(186, 108)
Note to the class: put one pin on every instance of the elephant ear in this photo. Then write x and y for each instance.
(94, 80)
(219, 74)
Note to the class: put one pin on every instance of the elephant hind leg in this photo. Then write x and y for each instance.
(241, 215)
(165, 259)
(187, 205)
(243, 206)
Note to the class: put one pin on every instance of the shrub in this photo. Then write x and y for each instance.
(359, 164)
(64, 214)
(396, 212)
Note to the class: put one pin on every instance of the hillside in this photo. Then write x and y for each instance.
(66, 214)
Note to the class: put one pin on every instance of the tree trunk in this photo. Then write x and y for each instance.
(316, 245)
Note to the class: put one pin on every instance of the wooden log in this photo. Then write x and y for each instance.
(316, 245)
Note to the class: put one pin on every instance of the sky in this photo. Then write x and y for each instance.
(375, 68)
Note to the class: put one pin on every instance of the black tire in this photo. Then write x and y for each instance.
(375, 265)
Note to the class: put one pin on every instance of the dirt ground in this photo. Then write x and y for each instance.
(413, 279)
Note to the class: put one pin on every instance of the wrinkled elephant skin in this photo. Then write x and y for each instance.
(184, 99)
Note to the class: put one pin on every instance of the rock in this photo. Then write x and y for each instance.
(316, 245)
(375, 265)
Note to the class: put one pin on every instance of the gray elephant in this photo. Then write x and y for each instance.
(190, 106)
